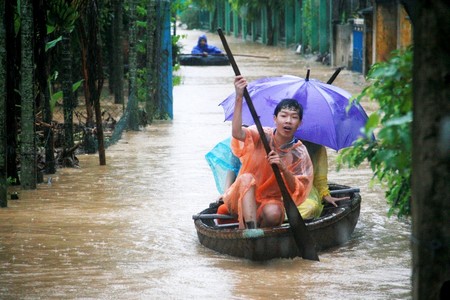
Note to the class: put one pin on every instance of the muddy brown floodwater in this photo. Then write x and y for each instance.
(125, 230)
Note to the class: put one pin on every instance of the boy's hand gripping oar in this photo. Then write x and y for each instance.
(302, 238)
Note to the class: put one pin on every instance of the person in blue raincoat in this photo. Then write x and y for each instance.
(203, 48)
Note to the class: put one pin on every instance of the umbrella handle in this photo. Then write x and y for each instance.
(303, 239)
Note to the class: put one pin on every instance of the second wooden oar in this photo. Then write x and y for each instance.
(213, 216)
(218, 54)
(345, 191)
(302, 237)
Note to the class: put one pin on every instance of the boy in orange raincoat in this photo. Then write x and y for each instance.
(255, 195)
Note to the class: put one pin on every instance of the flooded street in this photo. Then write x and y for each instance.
(125, 230)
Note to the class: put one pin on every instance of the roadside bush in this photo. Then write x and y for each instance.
(389, 154)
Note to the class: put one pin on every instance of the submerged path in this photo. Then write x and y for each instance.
(124, 230)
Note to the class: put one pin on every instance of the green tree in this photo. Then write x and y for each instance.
(62, 17)
(389, 155)
(67, 16)
(252, 10)
(85, 48)
(89, 27)
(95, 71)
(28, 168)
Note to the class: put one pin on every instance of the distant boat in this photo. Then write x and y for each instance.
(200, 60)
(333, 228)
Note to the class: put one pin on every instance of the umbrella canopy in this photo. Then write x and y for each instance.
(326, 118)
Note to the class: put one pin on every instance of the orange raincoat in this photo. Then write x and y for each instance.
(252, 155)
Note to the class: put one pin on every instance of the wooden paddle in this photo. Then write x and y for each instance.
(302, 238)
(344, 191)
(253, 56)
(213, 216)
(220, 54)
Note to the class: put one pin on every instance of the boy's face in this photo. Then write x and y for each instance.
(287, 122)
(202, 42)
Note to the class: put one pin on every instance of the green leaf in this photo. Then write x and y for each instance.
(406, 119)
(141, 24)
(54, 98)
(52, 43)
(50, 29)
(372, 124)
(76, 85)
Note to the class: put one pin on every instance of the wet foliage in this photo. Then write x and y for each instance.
(389, 154)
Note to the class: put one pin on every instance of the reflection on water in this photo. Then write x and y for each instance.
(124, 230)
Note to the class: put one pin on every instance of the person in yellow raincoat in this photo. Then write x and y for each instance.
(313, 205)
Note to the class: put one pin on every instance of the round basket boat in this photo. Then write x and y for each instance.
(199, 60)
(334, 227)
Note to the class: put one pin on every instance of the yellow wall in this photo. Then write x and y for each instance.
(386, 33)
(393, 29)
(405, 34)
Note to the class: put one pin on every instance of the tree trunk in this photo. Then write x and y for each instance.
(95, 74)
(133, 121)
(43, 88)
(157, 69)
(27, 136)
(66, 82)
(118, 52)
(270, 27)
(165, 53)
(430, 154)
(151, 67)
(89, 143)
(110, 45)
(50, 162)
(3, 170)
(12, 85)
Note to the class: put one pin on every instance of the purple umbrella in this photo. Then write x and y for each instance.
(326, 119)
